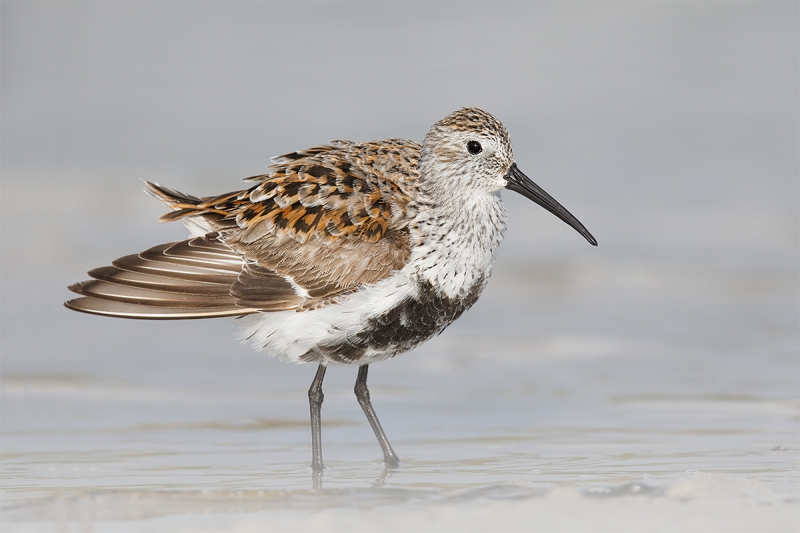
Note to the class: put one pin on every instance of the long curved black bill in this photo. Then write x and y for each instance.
(519, 182)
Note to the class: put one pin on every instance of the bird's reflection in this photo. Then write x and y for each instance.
(384, 477)
(316, 479)
(317, 475)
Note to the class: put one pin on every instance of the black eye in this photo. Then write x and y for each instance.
(474, 147)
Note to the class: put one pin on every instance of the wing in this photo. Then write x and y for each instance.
(319, 225)
(196, 278)
(330, 218)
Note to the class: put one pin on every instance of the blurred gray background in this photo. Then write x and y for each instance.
(670, 129)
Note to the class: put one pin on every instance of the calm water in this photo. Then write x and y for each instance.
(649, 384)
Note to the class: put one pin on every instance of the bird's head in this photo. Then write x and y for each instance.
(470, 151)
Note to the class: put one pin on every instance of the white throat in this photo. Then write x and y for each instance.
(455, 243)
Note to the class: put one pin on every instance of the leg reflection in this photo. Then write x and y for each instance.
(316, 480)
(385, 475)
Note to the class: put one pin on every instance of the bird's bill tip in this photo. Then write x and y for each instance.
(519, 182)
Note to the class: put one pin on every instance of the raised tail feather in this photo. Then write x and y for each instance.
(196, 278)
(186, 205)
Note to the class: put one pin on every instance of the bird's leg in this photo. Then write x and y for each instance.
(315, 398)
(362, 393)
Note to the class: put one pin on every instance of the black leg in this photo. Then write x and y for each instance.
(362, 393)
(315, 398)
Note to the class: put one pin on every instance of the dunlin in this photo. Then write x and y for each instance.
(347, 253)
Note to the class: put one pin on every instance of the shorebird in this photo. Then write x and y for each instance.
(348, 253)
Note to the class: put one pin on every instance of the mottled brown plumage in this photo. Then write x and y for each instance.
(308, 219)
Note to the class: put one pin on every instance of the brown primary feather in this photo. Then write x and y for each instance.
(330, 219)
(188, 279)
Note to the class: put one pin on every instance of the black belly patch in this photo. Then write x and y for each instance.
(400, 329)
